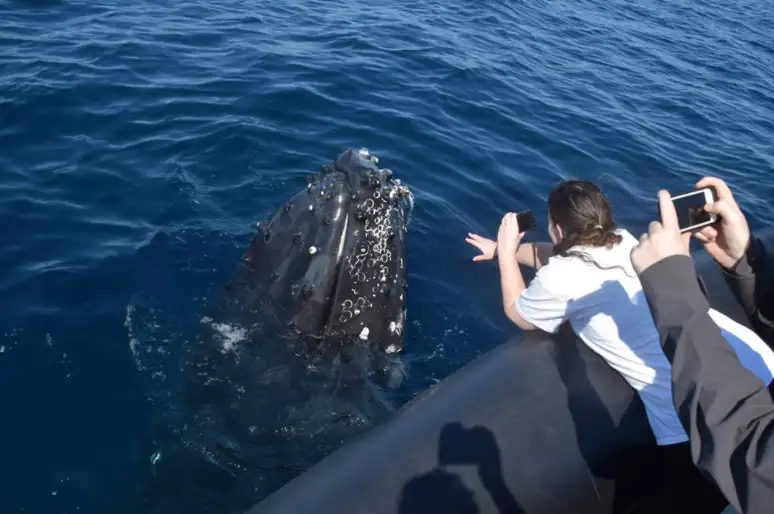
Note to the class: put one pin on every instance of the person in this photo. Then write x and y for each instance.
(727, 410)
(585, 277)
(744, 259)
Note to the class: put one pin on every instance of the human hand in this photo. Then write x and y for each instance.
(728, 242)
(509, 237)
(486, 246)
(663, 238)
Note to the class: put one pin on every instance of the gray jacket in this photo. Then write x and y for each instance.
(727, 411)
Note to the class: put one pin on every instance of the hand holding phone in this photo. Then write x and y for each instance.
(729, 240)
(691, 215)
(664, 238)
(526, 221)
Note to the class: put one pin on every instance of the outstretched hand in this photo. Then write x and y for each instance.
(663, 238)
(486, 246)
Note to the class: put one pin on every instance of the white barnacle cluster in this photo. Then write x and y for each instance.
(369, 263)
(396, 327)
(372, 262)
(350, 309)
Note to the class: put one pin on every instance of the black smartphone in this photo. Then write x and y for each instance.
(689, 207)
(526, 221)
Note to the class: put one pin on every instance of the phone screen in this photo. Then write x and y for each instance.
(690, 209)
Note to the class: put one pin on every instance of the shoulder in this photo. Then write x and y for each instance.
(559, 267)
(562, 276)
(627, 239)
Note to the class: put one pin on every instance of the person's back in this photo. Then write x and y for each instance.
(597, 291)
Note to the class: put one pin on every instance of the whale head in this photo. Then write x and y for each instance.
(331, 262)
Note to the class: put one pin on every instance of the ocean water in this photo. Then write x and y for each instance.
(141, 141)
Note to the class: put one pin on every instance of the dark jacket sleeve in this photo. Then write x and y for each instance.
(727, 411)
(752, 282)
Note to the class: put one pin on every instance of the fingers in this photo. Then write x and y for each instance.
(480, 249)
(668, 214)
(707, 233)
(511, 220)
(654, 227)
(722, 207)
(503, 224)
(721, 188)
(476, 237)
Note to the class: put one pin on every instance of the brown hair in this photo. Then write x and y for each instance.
(582, 211)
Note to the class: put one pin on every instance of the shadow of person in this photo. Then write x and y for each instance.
(437, 491)
(443, 491)
(477, 446)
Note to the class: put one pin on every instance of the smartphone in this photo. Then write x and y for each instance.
(690, 211)
(526, 221)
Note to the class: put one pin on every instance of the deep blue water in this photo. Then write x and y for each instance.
(141, 141)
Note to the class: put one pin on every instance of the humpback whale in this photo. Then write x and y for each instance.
(331, 262)
(293, 358)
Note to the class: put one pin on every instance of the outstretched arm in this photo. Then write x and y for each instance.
(533, 255)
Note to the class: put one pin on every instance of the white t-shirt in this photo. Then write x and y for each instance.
(752, 351)
(608, 310)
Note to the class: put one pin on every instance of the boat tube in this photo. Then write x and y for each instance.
(540, 424)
